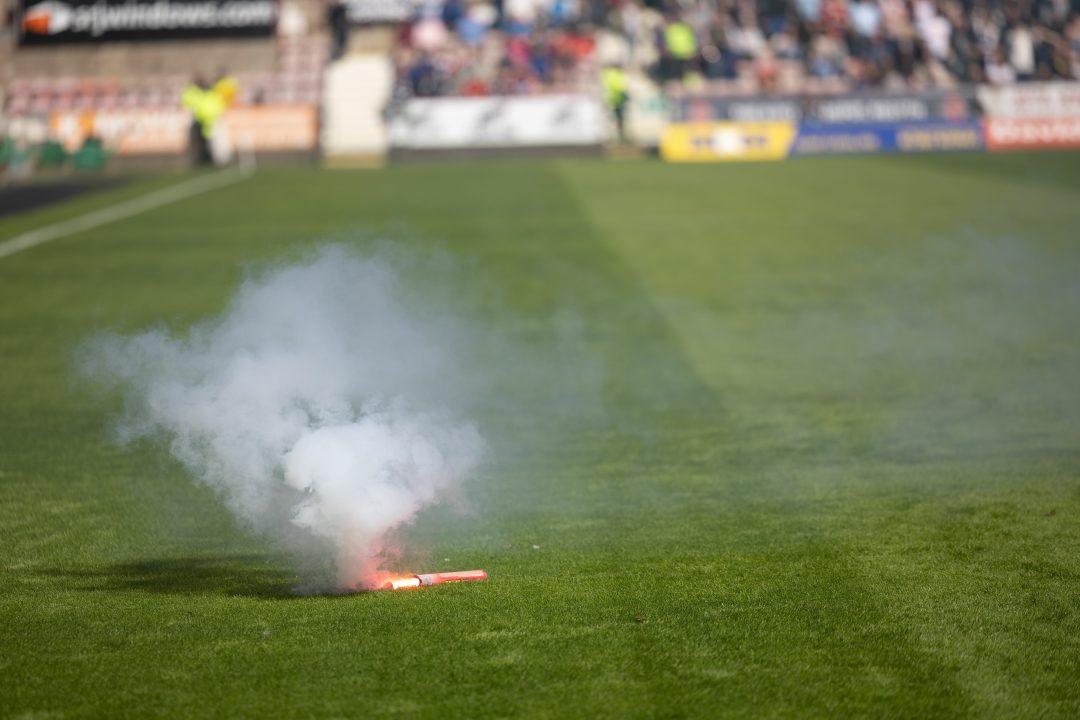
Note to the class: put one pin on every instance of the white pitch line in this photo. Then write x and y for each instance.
(126, 209)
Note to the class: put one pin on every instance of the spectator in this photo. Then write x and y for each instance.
(834, 17)
(7, 22)
(828, 57)
(1072, 42)
(987, 32)
(746, 39)
(998, 71)
(865, 19)
(475, 23)
(338, 21)
(934, 30)
(809, 10)
(679, 48)
(616, 96)
(1021, 43)
(206, 106)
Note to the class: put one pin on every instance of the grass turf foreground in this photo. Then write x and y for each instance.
(837, 473)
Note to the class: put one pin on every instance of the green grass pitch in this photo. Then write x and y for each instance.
(835, 473)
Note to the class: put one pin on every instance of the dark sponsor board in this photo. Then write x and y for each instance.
(890, 107)
(738, 109)
(952, 105)
(870, 138)
(44, 22)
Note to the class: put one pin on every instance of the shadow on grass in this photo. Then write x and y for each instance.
(236, 575)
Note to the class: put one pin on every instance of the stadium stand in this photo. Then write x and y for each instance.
(736, 46)
(289, 70)
(105, 76)
(82, 104)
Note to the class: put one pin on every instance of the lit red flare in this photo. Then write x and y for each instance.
(415, 581)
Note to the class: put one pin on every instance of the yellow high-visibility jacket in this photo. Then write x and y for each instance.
(206, 105)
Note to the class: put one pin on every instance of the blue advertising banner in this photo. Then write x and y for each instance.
(870, 138)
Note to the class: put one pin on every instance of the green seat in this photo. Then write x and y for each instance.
(91, 157)
(7, 151)
(52, 154)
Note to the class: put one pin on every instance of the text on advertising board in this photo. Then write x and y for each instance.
(868, 138)
(726, 141)
(55, 21)
(262, 128)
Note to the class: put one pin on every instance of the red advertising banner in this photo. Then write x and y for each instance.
(1032, 133)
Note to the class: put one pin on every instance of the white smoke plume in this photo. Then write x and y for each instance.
(319, 404)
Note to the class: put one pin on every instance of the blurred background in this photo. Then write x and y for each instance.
(111, 84)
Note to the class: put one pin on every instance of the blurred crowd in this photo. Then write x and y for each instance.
(870, 43)
(477, 47)
(480, 48)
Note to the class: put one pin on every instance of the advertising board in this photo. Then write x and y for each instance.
(274, 128)
(739, 109)
(363, 12)
(124, 132)
(44, 22)
(1031, 100)
(261, 128)
(1032, 133)
(726, 141)
(497, 122)
(952, 105)
(869, 138)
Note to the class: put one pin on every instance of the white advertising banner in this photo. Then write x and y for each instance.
(1044, 100)
(498, 122)
(361, 12)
